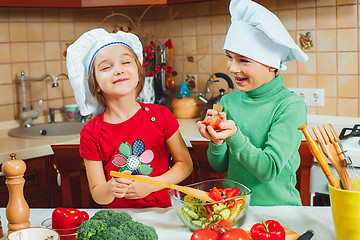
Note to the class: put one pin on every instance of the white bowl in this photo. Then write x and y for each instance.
(34, 233)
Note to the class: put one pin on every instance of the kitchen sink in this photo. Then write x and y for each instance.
(48, 130)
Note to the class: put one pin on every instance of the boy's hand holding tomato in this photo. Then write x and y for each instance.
(216, 127)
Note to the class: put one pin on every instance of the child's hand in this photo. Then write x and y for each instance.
(120, 186)
(226, 129)
(138, 190)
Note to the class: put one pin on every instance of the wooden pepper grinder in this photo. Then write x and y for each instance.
(17, 209)
(1, 231)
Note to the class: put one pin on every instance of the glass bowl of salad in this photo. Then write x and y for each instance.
(231, 200)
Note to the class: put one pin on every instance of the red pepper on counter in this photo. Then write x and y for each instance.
(269, 230)
(64, 220)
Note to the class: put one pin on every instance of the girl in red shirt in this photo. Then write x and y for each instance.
(106, 74)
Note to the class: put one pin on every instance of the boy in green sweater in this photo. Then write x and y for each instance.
(257, 144)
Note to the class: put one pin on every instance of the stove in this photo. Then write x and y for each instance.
(350, 139)
(354, 132)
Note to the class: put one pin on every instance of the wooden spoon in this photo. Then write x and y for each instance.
(317, 153)
(197, 193)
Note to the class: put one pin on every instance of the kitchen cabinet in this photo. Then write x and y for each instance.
(74, 187)
(39, 188)
(203, 171)
(88, 3)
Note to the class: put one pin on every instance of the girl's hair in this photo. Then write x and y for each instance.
(94, 86)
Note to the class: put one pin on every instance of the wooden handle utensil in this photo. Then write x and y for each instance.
(316, 152)
(188, 190)
(217, 107)
(327, 145)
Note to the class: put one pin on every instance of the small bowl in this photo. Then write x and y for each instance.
(65, 234)
(195, 213)
(34, 233)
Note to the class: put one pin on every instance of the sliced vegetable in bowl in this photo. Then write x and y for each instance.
(231, 201)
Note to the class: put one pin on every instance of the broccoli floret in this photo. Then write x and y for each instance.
(111, 218)
(138, 230)
(90, 228)
(110, 225)
(111, 233)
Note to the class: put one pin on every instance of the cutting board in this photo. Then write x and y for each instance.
(289, 234)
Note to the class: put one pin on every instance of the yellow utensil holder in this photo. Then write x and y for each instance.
(345, 206)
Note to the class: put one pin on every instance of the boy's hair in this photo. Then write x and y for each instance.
(94, 86)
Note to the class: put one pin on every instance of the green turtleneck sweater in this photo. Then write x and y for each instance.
(263, 153)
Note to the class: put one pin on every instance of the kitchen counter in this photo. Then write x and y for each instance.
(31, 148)
(169, 226)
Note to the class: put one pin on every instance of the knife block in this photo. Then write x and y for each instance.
(17, 209)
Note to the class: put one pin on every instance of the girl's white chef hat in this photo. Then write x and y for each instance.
(80, 57)
(258, 34)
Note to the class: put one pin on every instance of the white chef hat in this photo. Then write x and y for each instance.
(258, 34)
(80, 57)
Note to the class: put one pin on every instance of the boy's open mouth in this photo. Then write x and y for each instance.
(239, 80)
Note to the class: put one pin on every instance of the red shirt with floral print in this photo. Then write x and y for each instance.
(136, 146)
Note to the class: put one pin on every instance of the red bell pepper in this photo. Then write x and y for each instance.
(269, 230)
(234, 203)
(66, 220)
(232, 193)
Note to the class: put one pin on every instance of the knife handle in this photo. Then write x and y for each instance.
(307, 235)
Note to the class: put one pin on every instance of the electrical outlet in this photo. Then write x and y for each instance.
(311, 96)
(316, 97)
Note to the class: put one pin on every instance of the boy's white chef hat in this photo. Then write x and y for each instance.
(80, 57)
(258, 34)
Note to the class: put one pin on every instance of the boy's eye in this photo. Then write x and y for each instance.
(244, 60)
(228, 56)
(125, 62)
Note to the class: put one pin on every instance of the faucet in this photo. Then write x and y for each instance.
(58, 76)
(27, 116)
(52, 113)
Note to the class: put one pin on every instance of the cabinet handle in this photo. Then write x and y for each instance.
(58, 177)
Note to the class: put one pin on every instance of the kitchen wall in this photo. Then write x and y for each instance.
(34, 40)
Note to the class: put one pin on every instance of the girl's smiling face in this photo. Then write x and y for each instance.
(248, 73)
(116, 71)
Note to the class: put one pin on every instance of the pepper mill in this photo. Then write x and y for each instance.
(17, 209)
(1, 231)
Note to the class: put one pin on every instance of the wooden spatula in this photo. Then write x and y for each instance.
(188, 190)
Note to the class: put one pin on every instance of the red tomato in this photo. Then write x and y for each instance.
(220, 226)
(235, 234)
(204, 234)
(213, 121)
(215, 194)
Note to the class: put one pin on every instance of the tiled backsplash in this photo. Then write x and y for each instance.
(34, 40)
